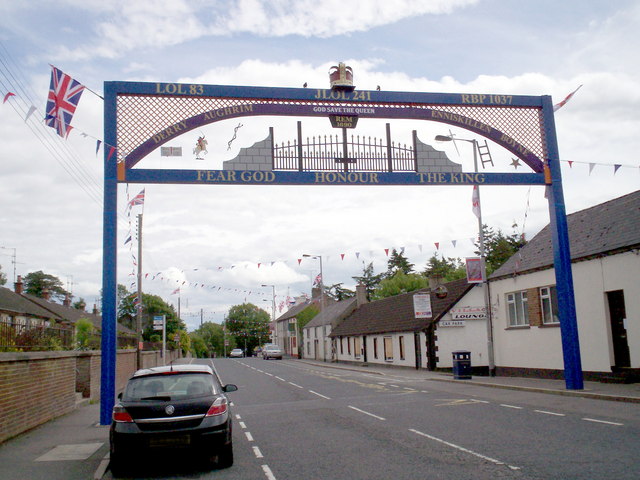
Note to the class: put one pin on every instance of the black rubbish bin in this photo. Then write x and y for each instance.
(461, 364)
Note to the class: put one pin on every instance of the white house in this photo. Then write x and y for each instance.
(317, 344)
(605, 255)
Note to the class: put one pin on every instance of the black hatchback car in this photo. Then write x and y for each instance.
(172, 407)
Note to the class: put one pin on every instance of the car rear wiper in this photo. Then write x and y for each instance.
(158, 397)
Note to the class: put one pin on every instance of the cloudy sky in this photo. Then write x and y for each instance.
(209, 240)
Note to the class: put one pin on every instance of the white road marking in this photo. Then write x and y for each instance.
(295, 385)
(603, 421)
(366, 413)
(249, 436)
(462, 449)
(267, 471)
(318, 394)
(269, 374)
(257, 452)
(510, 406)
(395, 386)
(242, 425)
(238, 417)
(280, 378)
(550, 413)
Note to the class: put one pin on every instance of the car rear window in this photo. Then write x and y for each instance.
(171, 386)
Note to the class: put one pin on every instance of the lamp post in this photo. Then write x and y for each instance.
(273, 310)
(319, 257)
(485, 282)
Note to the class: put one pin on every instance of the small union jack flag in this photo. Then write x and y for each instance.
(138, 199)
(64, 95)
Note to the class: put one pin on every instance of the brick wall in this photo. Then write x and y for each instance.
(40, 386)
(35, 390)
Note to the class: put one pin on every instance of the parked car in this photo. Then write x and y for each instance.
(271, 351)
(236, 353)
(171, 408)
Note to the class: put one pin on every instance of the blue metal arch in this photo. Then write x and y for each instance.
(562, 259)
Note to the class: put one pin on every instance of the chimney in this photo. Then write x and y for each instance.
(361, 295)
(46, 294)
(315, 292)
(18, 285)
(67, 300)
(95, 309)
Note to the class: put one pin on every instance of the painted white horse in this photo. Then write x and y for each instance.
(200, 148)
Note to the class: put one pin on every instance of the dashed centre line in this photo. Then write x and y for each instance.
(550, 413)
(366, 413)
(603, 421)
(319, 394)
(462, 449)
(257, 452)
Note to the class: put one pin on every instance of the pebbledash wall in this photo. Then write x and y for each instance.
(40, 386)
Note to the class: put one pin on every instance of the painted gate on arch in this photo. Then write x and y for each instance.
(140, 117)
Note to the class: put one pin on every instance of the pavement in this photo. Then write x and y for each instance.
(76, 447)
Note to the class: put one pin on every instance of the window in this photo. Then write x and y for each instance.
(348, 345)
(375, 348)
(341, 346)
(357, 348)
(517, 308)
(401, 341)
(388, 348)
(549, 305)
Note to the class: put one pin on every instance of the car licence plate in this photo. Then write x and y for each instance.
(175, 441)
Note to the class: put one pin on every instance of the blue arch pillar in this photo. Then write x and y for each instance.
(562, 257)
(109, 261)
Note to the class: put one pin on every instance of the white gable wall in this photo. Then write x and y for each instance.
(472, 336)
(540, 347)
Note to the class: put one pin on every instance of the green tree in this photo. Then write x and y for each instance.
(399, 283)
(369, 279)
(499, 247)
(398, 263)
(249, 325)
(446, 269)
(37, 282)
(84, 333)
(209, 339)
(80, 304)
(152, 305)
(338, 292)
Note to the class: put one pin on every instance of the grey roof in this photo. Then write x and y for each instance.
(14, 303)
(606, 228)
(396, 314)
(333, 312)
(72, 314)
(296, 309)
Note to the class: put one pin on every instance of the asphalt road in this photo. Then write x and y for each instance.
(295, 421)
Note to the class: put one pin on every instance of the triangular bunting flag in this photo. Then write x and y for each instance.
(591, 165)
(616, 167)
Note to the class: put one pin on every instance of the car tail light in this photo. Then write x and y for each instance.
(120, 415)
(218, 407)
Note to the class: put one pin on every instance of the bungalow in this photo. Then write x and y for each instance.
(605, 256)
(389, 332)
(19, 311)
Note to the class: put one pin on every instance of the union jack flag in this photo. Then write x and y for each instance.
(64, 95)
(138, 199)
